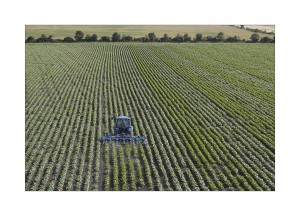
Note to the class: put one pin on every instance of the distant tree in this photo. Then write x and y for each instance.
(266, 40)
(115, 37)
(178, 38)
(30, 39)
(68, 39)
(233, 39)
(127, 38)
(105, 39)
(215, 39)
(42, 39)
(165, 38)
(145, 39)
(186, 37)
(209, 38)
(50, 38)
(87, 37)
(94, 37)
(79, 36)
(198, 37)
(220, 36)
(137, 39)
(254, 38)
(242, 26)
(236, 38)
(152, 37)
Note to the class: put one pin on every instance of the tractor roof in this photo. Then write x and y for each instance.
(123, 117)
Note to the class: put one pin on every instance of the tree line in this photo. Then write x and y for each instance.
(150, 37)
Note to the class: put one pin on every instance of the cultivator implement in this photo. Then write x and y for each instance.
(123, 132)
(123, 139)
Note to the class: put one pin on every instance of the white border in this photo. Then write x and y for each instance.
(15, 14)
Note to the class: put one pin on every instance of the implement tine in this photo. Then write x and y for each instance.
(119, 139)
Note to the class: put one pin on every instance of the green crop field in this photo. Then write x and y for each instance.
(207, 109)
(61, 31)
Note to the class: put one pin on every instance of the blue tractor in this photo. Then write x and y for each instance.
(123, 126)
(123, 132)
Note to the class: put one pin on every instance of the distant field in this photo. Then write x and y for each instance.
(61, 31)
(267, 28)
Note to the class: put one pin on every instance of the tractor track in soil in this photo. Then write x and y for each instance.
(101, 172)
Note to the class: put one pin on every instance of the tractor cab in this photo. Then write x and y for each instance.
(123, 122)
(123, 125)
